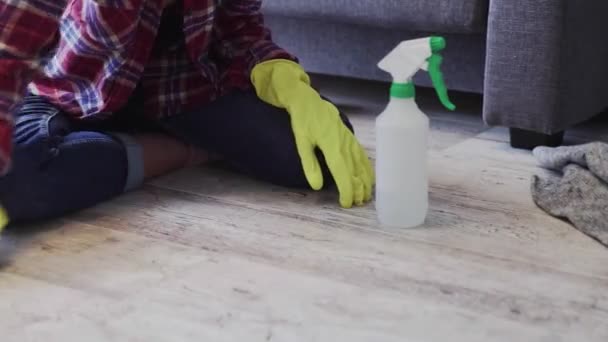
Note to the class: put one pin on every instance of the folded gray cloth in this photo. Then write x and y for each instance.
(578, 191)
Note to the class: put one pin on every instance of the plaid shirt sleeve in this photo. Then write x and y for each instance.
(27, 29)
(243, 41)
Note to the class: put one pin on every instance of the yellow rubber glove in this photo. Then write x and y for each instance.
(3, 219)
(316, 123)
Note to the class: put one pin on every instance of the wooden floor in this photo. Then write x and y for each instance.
(203, 255)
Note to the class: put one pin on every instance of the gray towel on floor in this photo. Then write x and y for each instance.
(578, 191)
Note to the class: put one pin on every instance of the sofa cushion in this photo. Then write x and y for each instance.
(455, 16)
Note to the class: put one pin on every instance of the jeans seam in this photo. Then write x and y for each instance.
(47, 124)
(84, 142)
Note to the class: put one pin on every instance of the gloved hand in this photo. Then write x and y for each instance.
(3, 219)
(316, 123)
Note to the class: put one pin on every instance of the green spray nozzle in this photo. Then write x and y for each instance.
(437, 44)
(405, 60)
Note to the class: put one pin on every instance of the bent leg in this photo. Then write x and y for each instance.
(57, 170)
(254, 137)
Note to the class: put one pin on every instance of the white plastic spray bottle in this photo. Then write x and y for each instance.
(402, 133)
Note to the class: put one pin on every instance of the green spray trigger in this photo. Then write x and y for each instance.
(437, 78)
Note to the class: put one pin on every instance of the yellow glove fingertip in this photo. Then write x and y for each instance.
(3, 219)
(346, 203)
(309, 161)
(360, 192)
(312, 170)
(315, 180)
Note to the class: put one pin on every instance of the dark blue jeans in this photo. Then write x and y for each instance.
(62, 166)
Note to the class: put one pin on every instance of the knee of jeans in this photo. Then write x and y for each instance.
(16, 186)
(285, 169)
(69, 180)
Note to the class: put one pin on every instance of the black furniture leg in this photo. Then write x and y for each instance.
(528, 140)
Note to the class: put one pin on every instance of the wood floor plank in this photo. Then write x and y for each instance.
(481, 206)
(34, 310)
(111, 288)
(361, 258)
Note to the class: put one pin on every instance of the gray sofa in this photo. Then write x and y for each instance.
(541, 65)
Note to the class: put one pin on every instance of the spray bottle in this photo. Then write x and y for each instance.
(402, 133)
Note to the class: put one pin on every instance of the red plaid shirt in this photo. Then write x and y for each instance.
(89, 56)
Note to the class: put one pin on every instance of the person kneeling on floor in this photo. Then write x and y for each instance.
(98, 96)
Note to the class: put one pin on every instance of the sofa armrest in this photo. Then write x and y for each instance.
(546, 63)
